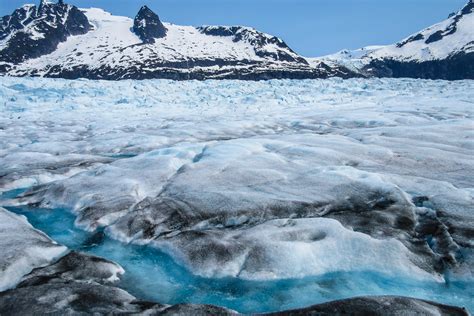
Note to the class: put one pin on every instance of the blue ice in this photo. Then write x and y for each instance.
(155, 276)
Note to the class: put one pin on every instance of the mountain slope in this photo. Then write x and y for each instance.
(116, 47)
(442, 51)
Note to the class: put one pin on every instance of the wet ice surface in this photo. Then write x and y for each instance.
(154, 275)
(23, 249)
(288, 193)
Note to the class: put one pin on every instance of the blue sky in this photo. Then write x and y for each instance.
(310, 27)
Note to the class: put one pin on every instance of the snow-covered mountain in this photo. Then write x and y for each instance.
(60, 40)
(442, 51)
(31, 31)
(351, 59)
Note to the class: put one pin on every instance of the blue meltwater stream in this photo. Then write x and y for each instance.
(154, 275)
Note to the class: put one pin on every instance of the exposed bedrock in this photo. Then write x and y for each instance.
(191, 69)
(457, 67)
(147, 25)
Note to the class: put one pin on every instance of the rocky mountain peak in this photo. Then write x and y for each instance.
(36, 31)
(147, 25)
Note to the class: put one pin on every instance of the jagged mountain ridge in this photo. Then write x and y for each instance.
(116, 47)
(60, 40)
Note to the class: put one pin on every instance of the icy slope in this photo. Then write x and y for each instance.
(118, 47)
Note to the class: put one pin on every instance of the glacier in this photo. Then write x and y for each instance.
(255, 196)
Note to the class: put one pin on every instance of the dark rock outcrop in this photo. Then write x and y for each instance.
(456, 67)
(147, 25)
(251, 72)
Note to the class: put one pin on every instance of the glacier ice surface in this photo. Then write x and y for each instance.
(251, 183)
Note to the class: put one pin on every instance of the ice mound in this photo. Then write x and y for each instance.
(23, 249)
(290, 249)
